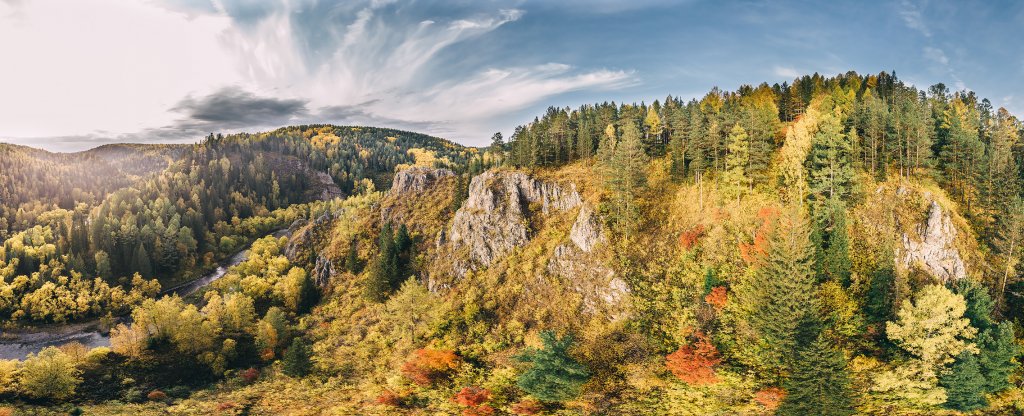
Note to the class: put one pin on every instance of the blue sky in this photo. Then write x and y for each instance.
(79, 74)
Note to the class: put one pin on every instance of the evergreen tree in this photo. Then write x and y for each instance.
(352, 262)
(998, 348)
(965, 386)
(385, 269)
(403, 252)
(735, 177)
(553, 375)
(296, 359)
(140, 262)
(625, 177)
(819, 384)
(830, 173)
(785, 316)
(833, 262)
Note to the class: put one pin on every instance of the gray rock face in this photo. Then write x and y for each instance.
(416, 179)
(493, 220)
(323, 271)
(934, 248)
(587, 231)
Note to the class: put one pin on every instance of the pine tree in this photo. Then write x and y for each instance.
(833, 262)
(785, 316)
(996, 357)
(140, 262)
(553, 375)
(385, 269)
(819, 384)
(625, 176)
(352, 262)
(735, 177)
(965, 386)
(403, 253)
(296, 359)
(830, 172)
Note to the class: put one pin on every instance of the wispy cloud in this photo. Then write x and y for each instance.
(786, 72)
(913, 18)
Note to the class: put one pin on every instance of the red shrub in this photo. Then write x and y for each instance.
(770, 398)
(527, 407)
(752, 252)
(482, 410)
(156, 396)
(717, 298)
(694, 364)
(250, 375)
(472, 396)
(689, 238)
(389, 398)
(223, 406)
(430, 365)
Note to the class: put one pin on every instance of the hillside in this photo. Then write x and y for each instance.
(835, 246)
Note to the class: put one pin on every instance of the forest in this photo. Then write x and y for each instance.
(837, 245)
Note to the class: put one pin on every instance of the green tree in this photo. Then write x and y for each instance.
(553, 375)
(735, 178)
(296, 359)
(141, 261)
(833, 261)
(964, 384)
(784, 315)
(819, 384)
(624, 175)
(998, 348)
(385, 269)
(830, 173)
(49, 375)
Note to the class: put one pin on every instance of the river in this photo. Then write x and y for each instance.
(19, 344)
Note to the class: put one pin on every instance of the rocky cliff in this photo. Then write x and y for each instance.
(495, 217)
(934, 249)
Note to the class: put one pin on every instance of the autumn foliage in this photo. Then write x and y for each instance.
(474, 399)
(694, 364)
(527, 407)
(390, 399)
(250, 375)
(689, 238)
(755, 250)
(429, 365)
(717, 298)
(770, 398)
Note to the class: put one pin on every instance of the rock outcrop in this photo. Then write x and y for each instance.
(494, 219)
(305, 236)
(416, 180)
(934, 249)
(587, 231)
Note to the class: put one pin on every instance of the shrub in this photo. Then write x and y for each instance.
(770, 398)
(474, 399)
(250, 375)
(390, 399)
(49, 375)
(156, 396)
(694, 364)
(429, 365)
(527, 407)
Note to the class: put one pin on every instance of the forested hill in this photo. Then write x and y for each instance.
(170, 211)
(834, 246)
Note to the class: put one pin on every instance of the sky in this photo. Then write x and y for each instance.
(79, 74)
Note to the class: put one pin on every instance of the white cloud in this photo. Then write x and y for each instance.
(786, 72)
(94, 70)
(79, 67)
